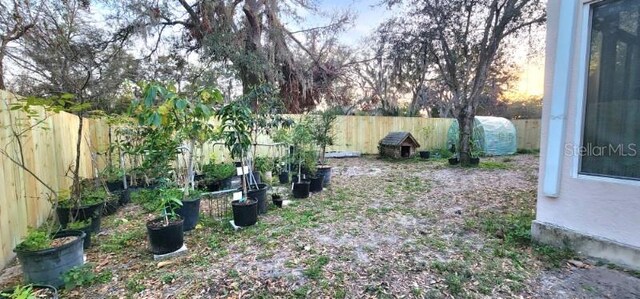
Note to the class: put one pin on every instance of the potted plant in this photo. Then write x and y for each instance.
(89, 227)
(282, 137)
(235, 119)
(476, 152)
(426, 133)
(301, 140)
(276, 199)
(30, 291)
(265, 166)
(185, 119)
(93, 195)
(324, 136)
(217, 176)
(166, 233)
(44, 257)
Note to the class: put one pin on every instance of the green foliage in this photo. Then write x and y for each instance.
(442, 153)
(236, 121)
(304, 153)
(77, 225)
(264, 164)
(146, 198)
(89, 195)
(322, 130)
(20, 292)
(169, 200)
(170, 118)
(219, 171)
(84, 276)
(36, 240)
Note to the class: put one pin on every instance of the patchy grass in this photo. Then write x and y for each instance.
(493, 165)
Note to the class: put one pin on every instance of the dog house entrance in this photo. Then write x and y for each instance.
(405, 151)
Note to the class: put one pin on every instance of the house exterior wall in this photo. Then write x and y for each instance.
(605, 210)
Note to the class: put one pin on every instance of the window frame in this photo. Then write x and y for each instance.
(583, 65)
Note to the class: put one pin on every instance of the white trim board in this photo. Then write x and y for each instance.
(559, 96)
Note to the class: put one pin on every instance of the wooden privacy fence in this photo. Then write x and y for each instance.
(49, 150)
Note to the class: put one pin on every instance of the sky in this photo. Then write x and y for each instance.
(368, 15)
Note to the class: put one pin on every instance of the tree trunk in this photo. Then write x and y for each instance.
(465, 121)
(2, 86)
(76, 191)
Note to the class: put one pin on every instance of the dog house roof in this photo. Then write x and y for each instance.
(397, 138)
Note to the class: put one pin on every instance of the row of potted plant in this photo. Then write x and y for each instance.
(157, 151)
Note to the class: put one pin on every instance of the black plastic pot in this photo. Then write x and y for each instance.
(277, 200)
(454, 161)
(96, 222)
(259, 195)
(212, 186)
(124, 196)
(325, 172)
(190, 212)
(283, 177)
(301, 190)
(89, 230)
(115, 186)
(53, 292)
(474, 161)
(425, 154)
(47, 266)
(245, 213)
(79, 214)
(316, 183)
(111, 207)
(165, 239)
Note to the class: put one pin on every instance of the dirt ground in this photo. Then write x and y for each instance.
(383, 229)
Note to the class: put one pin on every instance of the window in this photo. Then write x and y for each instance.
(611, 136)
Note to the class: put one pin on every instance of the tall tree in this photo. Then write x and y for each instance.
(250, 34)
(463, 38)
(65, 52)
(16, 18)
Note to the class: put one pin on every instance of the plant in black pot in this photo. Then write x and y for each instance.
(217, 176)
(45, 257)
(426, 134)
(89, 203)
(185, 118)
(235, 119)
(324, 135)
(166, 233)
(303, 154)
(89, 227)
(476, 152)
(282, 136)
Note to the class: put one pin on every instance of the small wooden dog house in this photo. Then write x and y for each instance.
(398, 145)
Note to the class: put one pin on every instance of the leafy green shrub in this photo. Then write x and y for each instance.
(84, 275)
(263, 164)
(20, 292)
(36, 240)
(219, 171)
(77, 225)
